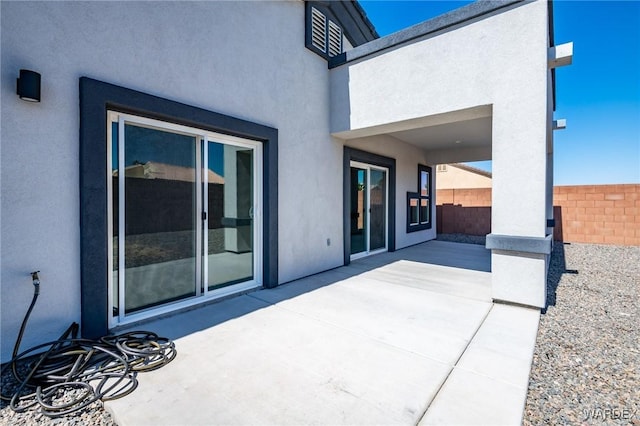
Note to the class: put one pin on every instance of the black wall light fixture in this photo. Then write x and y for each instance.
(29, 86)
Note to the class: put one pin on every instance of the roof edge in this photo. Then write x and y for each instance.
(438, 23)
(472, 169)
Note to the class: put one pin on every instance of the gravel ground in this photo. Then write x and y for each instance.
(93, 415)
(586, 365)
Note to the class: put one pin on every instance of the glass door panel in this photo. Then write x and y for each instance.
(230, 209)
(359, 215)
(378, 210)
(160, 217)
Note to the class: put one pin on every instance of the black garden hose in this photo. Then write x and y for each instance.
(73, 373)
(36, 293)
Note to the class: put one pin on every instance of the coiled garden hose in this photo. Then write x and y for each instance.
(73, 373)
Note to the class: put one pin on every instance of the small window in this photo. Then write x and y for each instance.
(442, 168)
(323, 34)
(419, 203)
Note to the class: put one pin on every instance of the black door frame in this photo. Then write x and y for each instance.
(353, 154)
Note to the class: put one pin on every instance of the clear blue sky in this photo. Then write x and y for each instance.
(599, 94)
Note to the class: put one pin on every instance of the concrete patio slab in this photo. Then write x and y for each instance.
(381, 341)
(489, 384)
(392, 314)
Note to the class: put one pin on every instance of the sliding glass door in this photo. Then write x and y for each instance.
(369, 198)
(185, 216)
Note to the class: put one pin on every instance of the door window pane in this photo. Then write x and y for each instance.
(378, 208)
(160, 217)
(230, 246)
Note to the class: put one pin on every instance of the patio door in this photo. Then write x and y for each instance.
(369, 197)
(185, 216)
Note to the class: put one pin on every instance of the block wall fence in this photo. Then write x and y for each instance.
(600, 214)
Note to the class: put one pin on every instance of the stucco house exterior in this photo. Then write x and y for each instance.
(458, 176)
(185, 152)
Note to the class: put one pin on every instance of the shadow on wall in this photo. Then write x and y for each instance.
(458, 219)
(557, 229)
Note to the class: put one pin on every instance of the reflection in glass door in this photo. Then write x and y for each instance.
(369, 193)
(159, 220)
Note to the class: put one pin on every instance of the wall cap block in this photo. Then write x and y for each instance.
(521, 244)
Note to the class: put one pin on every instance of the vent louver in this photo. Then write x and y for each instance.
(318, 29)
(335, 39)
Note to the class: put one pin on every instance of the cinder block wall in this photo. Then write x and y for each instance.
(602, 214)
(464, 211)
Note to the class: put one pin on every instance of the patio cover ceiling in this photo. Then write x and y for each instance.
(454, 136)
(474, 133)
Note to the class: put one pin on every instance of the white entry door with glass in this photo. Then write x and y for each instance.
(369, 197)
(185, 216)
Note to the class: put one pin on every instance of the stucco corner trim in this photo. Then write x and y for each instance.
(537, 245)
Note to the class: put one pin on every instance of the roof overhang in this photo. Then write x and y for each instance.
(463, 135)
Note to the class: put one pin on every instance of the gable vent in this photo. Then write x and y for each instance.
(318, 29)
(335, 39)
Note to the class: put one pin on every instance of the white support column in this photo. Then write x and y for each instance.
(558, 124)
(519, 244)
(550, 215)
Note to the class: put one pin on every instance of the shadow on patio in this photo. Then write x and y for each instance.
(446, 267)
(375, 342)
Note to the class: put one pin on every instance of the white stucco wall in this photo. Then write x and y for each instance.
(245, 59)
(454, 178)
(498, 61)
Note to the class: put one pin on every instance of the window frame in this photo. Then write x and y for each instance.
(421, 225)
